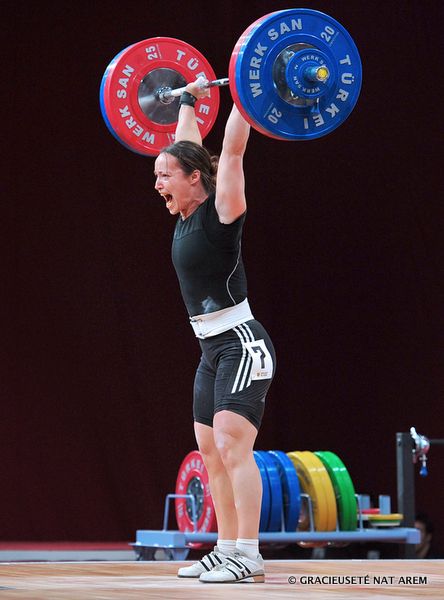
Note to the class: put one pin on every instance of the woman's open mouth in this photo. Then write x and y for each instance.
(168, 199)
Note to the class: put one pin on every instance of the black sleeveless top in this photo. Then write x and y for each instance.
(207, 258)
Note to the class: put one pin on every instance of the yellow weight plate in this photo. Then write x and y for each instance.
(388, 517)
(330, 497)
(391, 520)
(311, 484)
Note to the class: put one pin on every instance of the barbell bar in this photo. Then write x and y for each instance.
(167, 95)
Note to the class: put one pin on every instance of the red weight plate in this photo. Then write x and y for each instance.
(238, 49)
(193, 479)
(157, 61)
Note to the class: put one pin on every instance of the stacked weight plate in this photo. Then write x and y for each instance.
(192, 479)
(316, 483)
(280, 492)
(285, 476)
(343, 489)
(270, 84)
(129, 93)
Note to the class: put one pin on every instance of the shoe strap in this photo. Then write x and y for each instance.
(213, 559)
(238, 565)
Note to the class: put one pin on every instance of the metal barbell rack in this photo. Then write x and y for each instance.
(410, 448)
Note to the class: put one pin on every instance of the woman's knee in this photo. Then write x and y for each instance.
(234, 438)
(233, 449)
(207, 447)
(226, 445)
(218, 450)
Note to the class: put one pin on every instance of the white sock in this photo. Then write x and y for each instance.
(226, 546)
(248, 547)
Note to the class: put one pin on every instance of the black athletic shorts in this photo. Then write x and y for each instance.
(235, 372)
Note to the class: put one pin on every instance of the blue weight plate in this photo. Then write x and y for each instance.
(259, 76)
(290, 488)
(266, 494)
(275, 521)
(232, 75)
(109, 70)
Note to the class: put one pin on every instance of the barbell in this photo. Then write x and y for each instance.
(294, 74)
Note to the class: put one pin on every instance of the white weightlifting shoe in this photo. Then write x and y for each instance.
(237, 568)
(207, 562)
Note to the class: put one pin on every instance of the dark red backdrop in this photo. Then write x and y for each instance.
(343, 248)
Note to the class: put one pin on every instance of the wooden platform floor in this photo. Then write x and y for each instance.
(127, 581)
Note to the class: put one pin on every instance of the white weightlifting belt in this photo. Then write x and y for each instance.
(213, 323)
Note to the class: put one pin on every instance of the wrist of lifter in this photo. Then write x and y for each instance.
(187, 99)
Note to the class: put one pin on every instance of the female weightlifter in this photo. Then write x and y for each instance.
(238, 359)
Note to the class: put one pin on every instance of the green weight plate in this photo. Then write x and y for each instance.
(344, 490)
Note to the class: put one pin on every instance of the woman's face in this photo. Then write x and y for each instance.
(172, 183)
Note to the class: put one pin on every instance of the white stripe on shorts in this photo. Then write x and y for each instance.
(245, 334)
